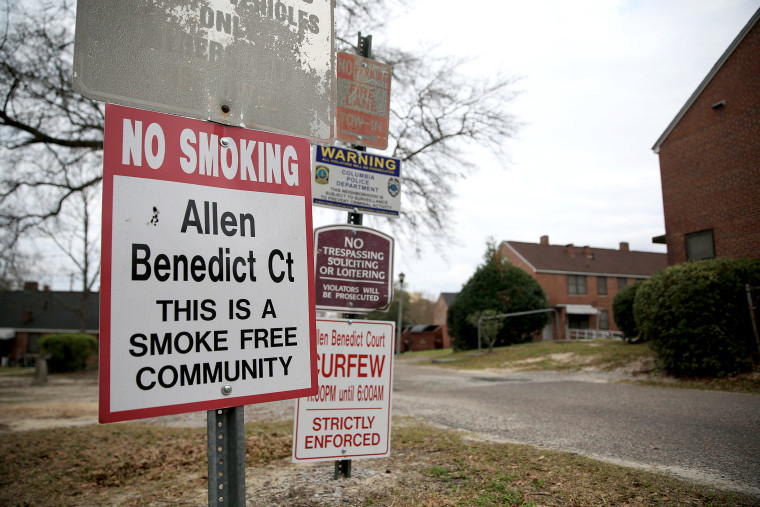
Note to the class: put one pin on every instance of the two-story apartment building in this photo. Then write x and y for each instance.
(581, 282)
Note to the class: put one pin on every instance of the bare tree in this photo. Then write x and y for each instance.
(437, 111)
(45, 126)
(76, 233)
(14, 263)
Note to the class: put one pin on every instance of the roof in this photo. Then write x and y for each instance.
(706, 81)
(580, 309)
(448, 297)
(47, 311)
(424, 328)
(587, 260)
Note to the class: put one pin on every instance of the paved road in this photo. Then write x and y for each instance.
(704, 436)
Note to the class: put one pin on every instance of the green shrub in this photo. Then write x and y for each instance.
(502, 288)
(68, 351)
(622, 311)
(696, 316)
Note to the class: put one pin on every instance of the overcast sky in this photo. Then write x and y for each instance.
(601, 80)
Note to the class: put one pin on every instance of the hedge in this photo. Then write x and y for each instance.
(622, 311)
(68, 351)
(696, 316)
(501, 287)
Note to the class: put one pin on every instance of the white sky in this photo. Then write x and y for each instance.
(602, 79)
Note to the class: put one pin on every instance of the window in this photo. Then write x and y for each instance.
(576, 284)
(578, 322)
(601, 285)
(622, 282)
(604, 319)
(33, 343)
(700, 245)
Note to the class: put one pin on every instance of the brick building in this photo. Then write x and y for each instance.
(28, 315)
(710, 160)
(441, 312)
(581, 282)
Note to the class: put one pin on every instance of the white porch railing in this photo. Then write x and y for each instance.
(590, 334)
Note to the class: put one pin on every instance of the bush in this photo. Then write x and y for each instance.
(68, 351)
(696, 316)
(501, 287)
(622, 311)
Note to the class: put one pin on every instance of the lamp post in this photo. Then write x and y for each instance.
(400, 312)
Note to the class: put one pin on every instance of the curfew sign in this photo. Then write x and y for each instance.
(207, 297)
(350, 415)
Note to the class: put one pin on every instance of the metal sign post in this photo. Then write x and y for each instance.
(195, 225)
(207, 284)
(226, 457)
(343, 467)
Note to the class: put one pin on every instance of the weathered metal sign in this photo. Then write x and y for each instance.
(262, 64)
(364, 99)
(207, 289)
(350, 415)
(353, 268)
(356, 180)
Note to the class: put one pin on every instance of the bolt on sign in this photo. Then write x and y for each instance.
(262, 64)
(353, 269)
(349, 417)
(364, 101)
(356, 180)
(207, 291)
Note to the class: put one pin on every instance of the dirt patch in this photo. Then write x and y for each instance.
(560, 358)
(64, 401)
(315, 484)
(68, 401)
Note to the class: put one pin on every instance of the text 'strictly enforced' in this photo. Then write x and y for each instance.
(349, 416)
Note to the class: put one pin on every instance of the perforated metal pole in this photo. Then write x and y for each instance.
(226, 457)
(752, 310)
(343, 466)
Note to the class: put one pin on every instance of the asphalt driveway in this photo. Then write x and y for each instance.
(704, 436)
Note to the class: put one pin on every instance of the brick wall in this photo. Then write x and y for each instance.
(440, 311)
(556, 288)
(440, 314)
(710, 162)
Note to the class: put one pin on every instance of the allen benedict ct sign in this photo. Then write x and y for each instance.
(207, 297)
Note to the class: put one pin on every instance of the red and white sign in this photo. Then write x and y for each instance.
(364, 101)
(350, 415)
(207, 289)
(354, 268)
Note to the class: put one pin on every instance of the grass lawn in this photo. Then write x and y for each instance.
(604, 355)
(133, 464)
(139, 464)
